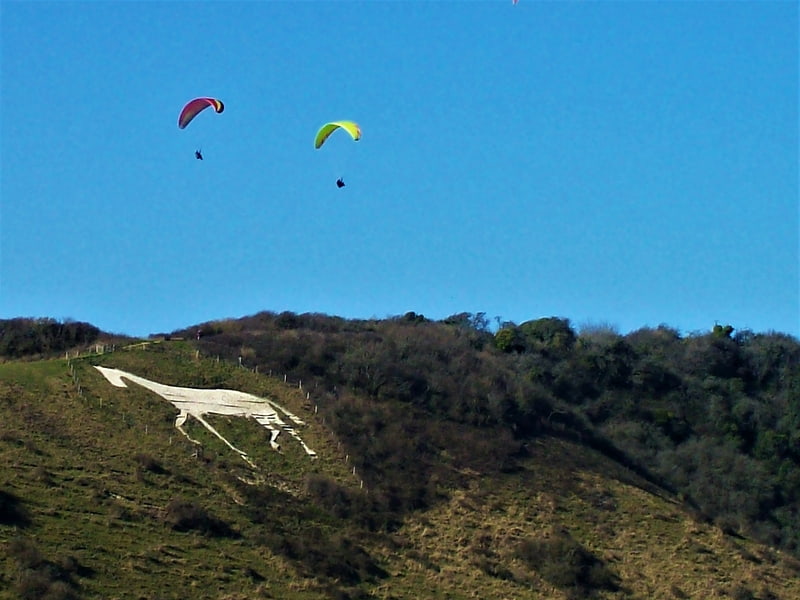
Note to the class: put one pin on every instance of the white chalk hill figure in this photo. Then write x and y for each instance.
(196, 403)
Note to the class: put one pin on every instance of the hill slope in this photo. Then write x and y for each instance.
(100, 496)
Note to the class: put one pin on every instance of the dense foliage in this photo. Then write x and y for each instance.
(714, 416)
(42, 337)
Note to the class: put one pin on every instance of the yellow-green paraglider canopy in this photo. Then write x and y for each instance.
(326, 130)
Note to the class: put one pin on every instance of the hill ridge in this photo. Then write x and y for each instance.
(101, 498)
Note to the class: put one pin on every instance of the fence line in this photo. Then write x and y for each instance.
(100, 349)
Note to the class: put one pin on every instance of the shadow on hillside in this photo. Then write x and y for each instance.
(564, 563)
(567, 427)
(11, 511)
(295, 529)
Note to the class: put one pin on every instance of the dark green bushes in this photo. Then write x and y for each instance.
(38, 578)
(561, 561)
(146, 462)
(652, 399)
(42, 337)
(11, 510)
(184, 515)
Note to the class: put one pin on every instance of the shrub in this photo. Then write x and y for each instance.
(38, 578)
(740, 592)
(27, 337)
(336, 557)
(562, 561)
(331, 495)
(148, 463)
(183, 515)
(25, 553)
(11, 511)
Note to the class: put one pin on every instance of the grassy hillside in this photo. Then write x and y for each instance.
(714, 416)
(101, 497)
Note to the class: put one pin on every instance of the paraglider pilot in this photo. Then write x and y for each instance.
(340, 183)
(198, 155)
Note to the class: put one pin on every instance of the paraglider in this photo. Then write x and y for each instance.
(195, 107)
(326, 130)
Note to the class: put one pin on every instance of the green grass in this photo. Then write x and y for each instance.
(94, 483)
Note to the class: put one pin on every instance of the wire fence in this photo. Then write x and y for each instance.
(100, 349)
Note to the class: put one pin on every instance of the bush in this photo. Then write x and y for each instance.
(148, 463)
(563, 562)
(182, 515)
(11, 511)
(336, 557)
(25, 553)
(38, 578)
(740, 592)
(393, 386)
(334, 497)
(31, 337)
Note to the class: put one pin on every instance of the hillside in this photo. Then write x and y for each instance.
(713, 416)
(101, 496)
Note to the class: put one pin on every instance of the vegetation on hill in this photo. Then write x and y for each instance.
(32, 338)
(454, 461)
(713, 416)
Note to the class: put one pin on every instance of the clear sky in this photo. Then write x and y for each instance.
(619, 163)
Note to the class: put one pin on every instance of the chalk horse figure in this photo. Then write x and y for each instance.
(194, 402)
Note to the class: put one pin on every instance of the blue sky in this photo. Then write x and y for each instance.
(619, 163)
